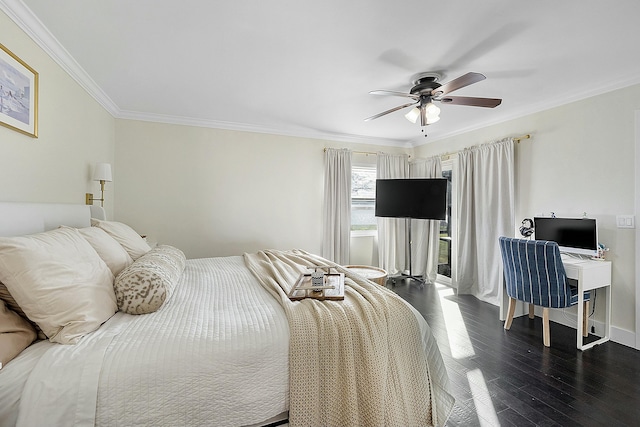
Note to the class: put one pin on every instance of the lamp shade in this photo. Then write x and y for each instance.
(413, 114)
(432, 119)
(102, 172)
(432, 109)
(432, 112)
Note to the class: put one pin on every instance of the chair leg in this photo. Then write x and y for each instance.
(585, 320)
(510, 313)
(532, 312)
(546, 336)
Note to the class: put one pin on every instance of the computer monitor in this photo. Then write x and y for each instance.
(573, 235)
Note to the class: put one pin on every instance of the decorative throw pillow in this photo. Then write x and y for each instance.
(59, 281)
(10, 302)
(111, 252)
(125, 235)
(146, 284)
(16, 334)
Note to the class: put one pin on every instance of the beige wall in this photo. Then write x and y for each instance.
(74, 133)
(580, 159)
(217, 192)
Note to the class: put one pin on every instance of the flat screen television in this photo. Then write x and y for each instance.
(420, 198)
(573, 235)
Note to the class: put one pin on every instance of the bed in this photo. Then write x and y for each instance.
(219, 348)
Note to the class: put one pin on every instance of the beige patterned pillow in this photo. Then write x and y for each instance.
(146, 284)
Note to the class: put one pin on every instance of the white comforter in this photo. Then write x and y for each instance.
(217, 353)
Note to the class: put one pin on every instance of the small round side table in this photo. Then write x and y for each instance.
(374, 274)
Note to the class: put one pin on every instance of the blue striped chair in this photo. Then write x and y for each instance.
(534, 274)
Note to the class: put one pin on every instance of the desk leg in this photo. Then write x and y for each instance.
(607, 318)
(580, 322)
(607, 323)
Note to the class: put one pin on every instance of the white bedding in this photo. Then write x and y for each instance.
(221, 358)
(217, 353)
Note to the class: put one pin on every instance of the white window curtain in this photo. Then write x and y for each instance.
(486, 209)
(392, 240)
(425, 234)
(336, 221)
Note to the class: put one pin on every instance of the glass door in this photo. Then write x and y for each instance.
(447, 250)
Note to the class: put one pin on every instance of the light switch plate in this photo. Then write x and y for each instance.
(626, 221)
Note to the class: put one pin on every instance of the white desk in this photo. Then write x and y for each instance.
(590, 275)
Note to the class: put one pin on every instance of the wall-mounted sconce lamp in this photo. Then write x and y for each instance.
(102, 173)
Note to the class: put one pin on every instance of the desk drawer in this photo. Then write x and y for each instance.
(590, 274)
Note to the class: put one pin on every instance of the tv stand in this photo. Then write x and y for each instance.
(410, 276)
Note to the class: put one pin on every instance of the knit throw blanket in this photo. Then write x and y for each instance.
(356, 362)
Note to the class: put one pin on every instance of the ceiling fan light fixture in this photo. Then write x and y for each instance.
(413, 115)
(432, 109)
(427, 89)
(432, 119)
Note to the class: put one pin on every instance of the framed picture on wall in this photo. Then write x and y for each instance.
(18, 94)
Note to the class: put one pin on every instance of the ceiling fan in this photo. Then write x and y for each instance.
(426, 89)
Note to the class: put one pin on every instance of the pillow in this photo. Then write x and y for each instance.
(59, 281)
(146, 284)
(16, 334)
(11, 304)
(125, 235)
(111, 252)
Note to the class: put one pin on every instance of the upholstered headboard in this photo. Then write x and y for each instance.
(17, 218)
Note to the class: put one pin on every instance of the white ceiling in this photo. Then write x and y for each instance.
(305, 68)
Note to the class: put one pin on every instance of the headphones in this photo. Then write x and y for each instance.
(526, 229)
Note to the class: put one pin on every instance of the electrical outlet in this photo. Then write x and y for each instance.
(593, 329)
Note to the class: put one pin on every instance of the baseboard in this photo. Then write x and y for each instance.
(624, 337)
(568, 318)
(618, 335)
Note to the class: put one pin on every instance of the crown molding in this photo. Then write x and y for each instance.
(34, 28)
(242, 127)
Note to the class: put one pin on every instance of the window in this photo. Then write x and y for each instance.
(363, 198)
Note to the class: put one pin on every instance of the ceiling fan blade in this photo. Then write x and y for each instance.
(459, 83)
(394, 93)
(384, 113)
(471, 101)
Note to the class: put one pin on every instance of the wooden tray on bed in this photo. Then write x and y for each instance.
(333, 288)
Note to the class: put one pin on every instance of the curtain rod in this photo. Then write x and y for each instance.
(366, 153)
(520, 138)
(517, 139)
(358, 152)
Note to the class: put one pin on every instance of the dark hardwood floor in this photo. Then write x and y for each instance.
(509, 378)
